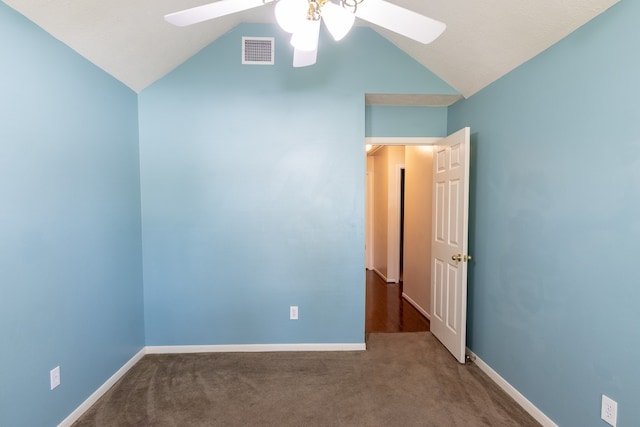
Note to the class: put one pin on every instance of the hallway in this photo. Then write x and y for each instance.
(387, 311)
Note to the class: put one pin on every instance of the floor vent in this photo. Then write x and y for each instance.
(258, 50)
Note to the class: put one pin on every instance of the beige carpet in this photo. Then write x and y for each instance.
(404, 379)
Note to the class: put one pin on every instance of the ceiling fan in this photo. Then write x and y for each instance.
(302, 19)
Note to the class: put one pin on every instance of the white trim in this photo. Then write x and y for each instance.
(253, 348)
(369, 220)
(382, 276)
(73, 417)
(401, 140)
(416, 306)
(511, 391)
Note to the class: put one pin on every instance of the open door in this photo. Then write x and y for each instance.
(449, 242)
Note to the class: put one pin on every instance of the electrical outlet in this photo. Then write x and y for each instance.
(609, 411)
(54, 377)
(293, 312)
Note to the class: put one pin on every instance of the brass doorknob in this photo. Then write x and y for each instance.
(467, 257)
(457, 257)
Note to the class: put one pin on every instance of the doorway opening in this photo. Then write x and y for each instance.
(398, 276)
(448, 208)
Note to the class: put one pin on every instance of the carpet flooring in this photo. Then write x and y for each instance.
(403, 379)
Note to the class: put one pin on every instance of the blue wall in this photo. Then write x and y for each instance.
(555, 222)
(70, 246)
(253, 190)
(391, 121)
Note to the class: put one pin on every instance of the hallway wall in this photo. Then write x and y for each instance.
(386, 235)
(418, 225)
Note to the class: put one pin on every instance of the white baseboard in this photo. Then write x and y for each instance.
(416, 306)
(252, 348)
(73, 417)
(511, 391)
(382, 276)
(234, 348)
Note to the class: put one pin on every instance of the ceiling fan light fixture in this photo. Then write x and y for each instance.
(301, 18)
(291, 14)
(307, 35)
(338, 20)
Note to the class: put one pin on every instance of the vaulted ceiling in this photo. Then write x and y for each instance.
(484, 40)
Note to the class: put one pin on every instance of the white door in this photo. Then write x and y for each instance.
(449, 242)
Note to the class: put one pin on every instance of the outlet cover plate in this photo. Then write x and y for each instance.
(609, 411)
(293, 312)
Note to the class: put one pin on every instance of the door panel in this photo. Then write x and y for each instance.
(454, 212)
(452, 297)
(439, 210)
(438, 309)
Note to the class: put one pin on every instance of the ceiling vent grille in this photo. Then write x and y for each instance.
(258, 50)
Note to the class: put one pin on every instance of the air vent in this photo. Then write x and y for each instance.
(257, 50)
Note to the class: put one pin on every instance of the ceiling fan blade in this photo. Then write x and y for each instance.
(210, 11)
(304, 58)
(400, 20)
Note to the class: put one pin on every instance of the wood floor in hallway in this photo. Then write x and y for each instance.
(387, 311)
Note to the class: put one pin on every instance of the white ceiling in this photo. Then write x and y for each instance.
(484, 40)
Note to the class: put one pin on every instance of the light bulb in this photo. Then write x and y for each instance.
(337, 19)
(291, 14)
